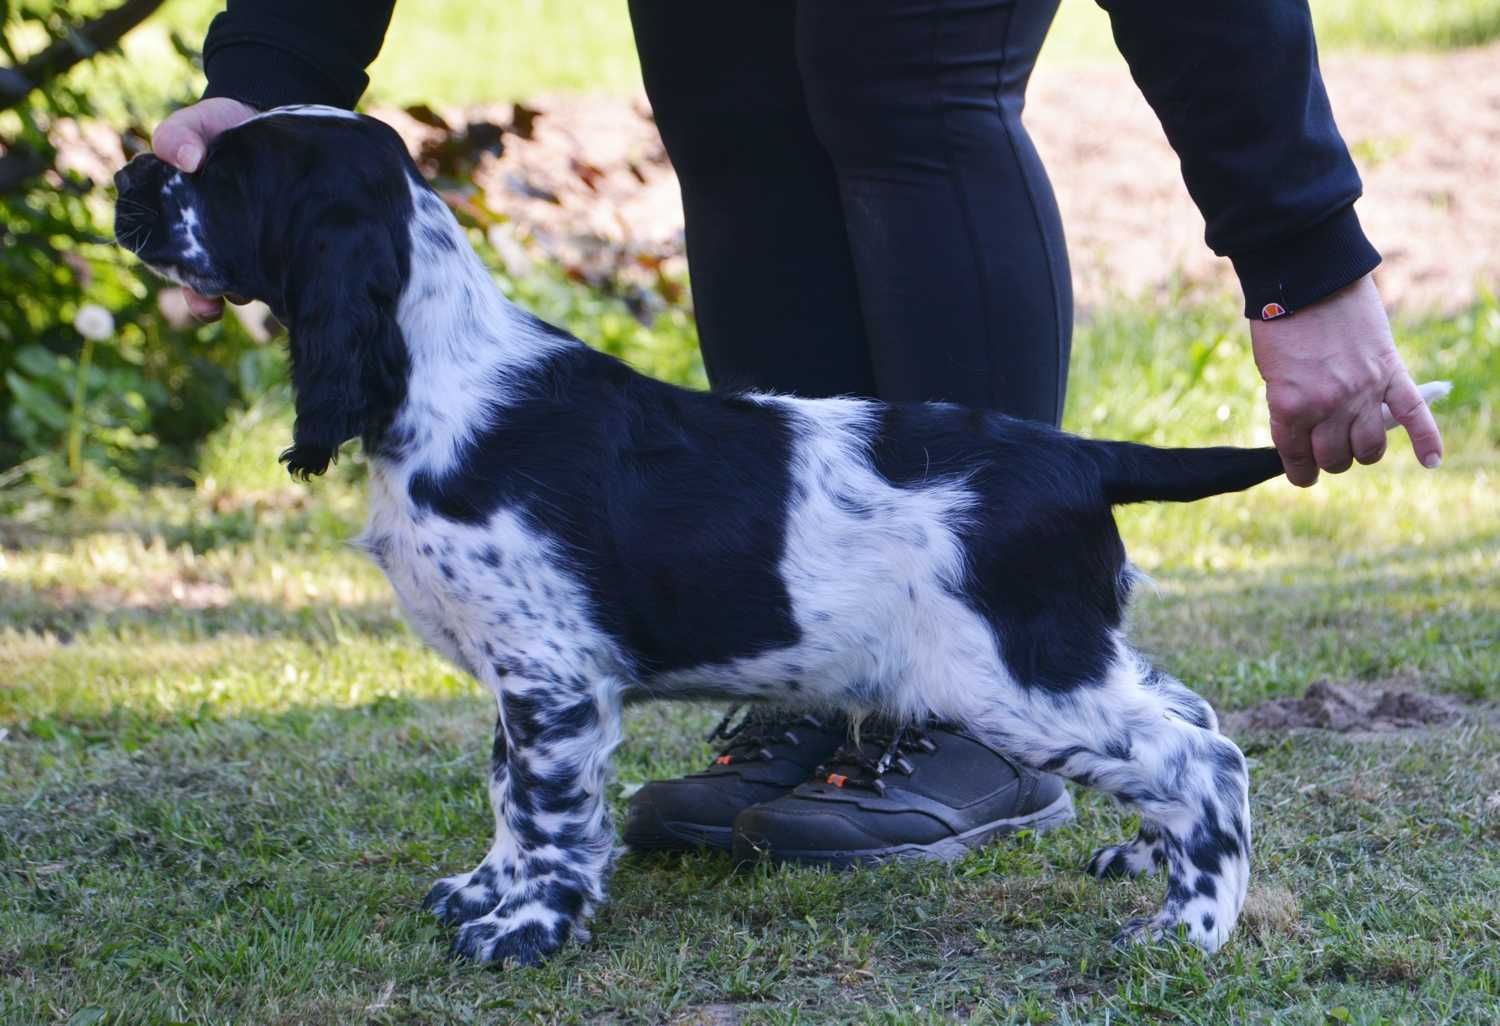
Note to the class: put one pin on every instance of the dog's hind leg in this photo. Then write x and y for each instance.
(1139, 742)
(559, 731)
(1145, 853)
(1130, 858)
(458, 899)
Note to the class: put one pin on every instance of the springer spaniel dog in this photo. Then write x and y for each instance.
(576, 535)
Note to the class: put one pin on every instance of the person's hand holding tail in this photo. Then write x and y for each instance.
(1328, 369)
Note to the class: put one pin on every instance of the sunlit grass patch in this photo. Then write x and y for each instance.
(139, 686)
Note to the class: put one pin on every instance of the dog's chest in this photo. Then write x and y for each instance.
(483, 595)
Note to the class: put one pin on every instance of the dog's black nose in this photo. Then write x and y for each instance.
(139, 203)
(141, 171)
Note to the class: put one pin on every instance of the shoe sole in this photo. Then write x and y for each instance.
(646, 830)
(949, 849)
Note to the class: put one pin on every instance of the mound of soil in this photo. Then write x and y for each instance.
(1345, 708)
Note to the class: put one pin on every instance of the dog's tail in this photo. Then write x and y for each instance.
(1143, 473)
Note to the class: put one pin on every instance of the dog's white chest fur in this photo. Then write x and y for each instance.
(491, 598)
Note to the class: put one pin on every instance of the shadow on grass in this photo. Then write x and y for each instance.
(187, 519)
(265, 859)
(212, 615)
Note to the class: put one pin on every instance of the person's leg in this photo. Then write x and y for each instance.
(963, 279)
(957, 243)
(773, 290)
(774, 283)
(772, 278)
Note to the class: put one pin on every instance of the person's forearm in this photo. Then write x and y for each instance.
(1237, 88)
(272, 52)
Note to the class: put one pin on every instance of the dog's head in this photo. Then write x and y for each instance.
(309, 210)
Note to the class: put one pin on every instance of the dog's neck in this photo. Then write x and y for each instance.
(470, 348)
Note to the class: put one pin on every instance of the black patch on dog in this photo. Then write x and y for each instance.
(670, 505)
(1044, 558)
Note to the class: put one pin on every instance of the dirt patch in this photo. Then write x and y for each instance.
(587, 183)
(1346, 708)
(580, 181)
(1270, 911)
(1424, 131)
(708, 1015)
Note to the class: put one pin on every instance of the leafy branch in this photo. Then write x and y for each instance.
(72, 47)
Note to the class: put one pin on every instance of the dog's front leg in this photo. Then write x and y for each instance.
(466, 896)
(552, 820)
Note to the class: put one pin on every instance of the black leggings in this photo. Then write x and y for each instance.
(865, 213)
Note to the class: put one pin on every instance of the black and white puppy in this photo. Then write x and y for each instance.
(575, 535)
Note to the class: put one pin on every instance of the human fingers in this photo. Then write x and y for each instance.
(1330, 443)
(1293, 441)
(184, 136)
(1410, 410)
(1367, 435)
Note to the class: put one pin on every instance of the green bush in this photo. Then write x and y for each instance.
(137, 400)
(82, 419)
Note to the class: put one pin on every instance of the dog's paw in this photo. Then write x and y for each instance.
(1200, 930)
(518, 938)
(458, 899)
(1130, 859)
(1140, 930)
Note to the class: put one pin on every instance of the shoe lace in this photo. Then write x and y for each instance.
(880, 748)
(750, 738)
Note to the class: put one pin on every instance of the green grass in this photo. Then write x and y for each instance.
(1081, 31)
(229, 772)
(457, 51)
(1400, 25)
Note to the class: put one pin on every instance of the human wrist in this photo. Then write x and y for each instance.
(1300, 271)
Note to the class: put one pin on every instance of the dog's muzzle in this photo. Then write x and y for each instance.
(141, 185)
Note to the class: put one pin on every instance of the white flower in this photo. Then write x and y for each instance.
(94, 322)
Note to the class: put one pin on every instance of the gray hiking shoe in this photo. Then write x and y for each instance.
(765, 755)
(927, 793)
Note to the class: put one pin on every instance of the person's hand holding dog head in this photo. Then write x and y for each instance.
(182, 140)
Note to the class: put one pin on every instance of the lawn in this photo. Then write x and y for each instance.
(230, 771)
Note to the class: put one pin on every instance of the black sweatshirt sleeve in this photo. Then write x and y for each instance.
(272, 52)
(1236, 86)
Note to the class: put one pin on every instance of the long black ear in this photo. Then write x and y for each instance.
(349, 361)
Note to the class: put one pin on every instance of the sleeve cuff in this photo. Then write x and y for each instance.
(1283, 278)
(265, 76)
